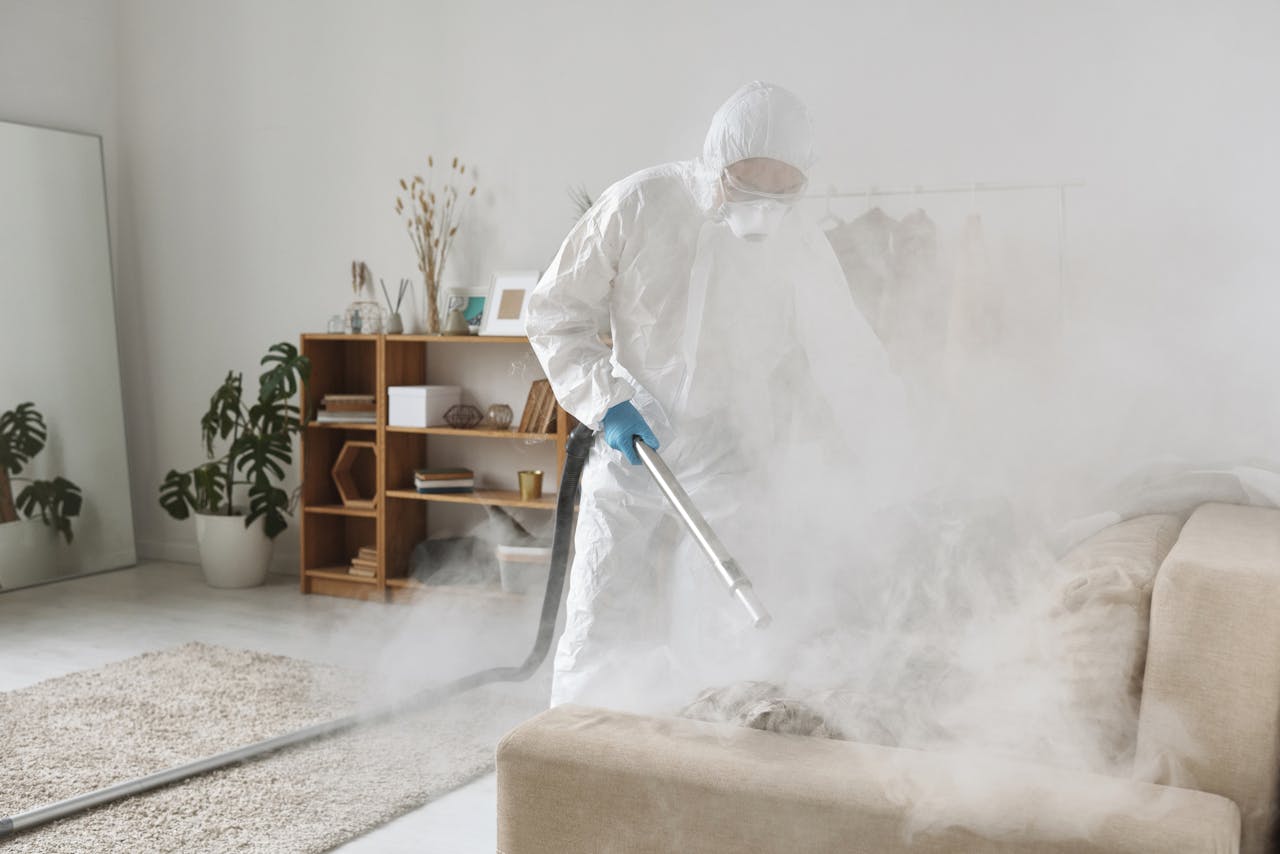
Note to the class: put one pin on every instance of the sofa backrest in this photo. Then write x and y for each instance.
(1210, 714)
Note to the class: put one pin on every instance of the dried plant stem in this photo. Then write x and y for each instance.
(432, 222)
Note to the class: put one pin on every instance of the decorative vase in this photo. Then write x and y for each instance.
(394, 324)
(456, 323)
(232, 555)
(499, 417)
(431, 317)
(363, 317)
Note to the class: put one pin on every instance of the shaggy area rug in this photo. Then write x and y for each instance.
(80, 732)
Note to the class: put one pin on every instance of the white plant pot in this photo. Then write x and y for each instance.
(27, 553)
(232, 555)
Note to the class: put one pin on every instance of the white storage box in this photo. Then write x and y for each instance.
(420, 405)
(524, 569)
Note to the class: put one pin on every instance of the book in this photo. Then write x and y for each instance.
(535, 407)
(452, 478)
(370, 565)
(442, 474)
(349, 398)
(324, 416)
(361, 572)
(546, 410)
(424, 485)
(368, 553)
(450, 490)
(531, 407)
(455, 483)
(330, 406)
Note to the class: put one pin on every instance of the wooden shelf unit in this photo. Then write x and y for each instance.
(331, 532)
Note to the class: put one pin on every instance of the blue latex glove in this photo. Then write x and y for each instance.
(621, 424)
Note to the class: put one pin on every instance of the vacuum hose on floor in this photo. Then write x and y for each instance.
(579, 446)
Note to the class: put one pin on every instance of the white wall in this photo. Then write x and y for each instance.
(262, 142)
(57, 69)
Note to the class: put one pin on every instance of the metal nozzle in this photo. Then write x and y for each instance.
(726, 567)
(760, 618)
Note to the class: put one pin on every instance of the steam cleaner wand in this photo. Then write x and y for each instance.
(725, 566)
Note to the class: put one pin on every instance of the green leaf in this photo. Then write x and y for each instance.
(58, 501)
(22, 436)
(260, 455)
(176, 495)
(289, 370)
(274, 416)
(268, 502)
(210, 481)
(225, 411)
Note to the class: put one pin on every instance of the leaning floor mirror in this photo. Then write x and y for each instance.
(64, 475)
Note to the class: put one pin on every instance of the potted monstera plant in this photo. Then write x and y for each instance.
(51, 503)
(234, 537)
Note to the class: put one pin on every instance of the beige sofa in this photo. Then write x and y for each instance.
(585, 780)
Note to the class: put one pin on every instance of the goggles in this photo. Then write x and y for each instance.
(737, 190)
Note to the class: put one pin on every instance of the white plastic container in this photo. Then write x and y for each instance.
(524, 569)
(420, 405)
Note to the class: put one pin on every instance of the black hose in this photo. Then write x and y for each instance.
(577, 450)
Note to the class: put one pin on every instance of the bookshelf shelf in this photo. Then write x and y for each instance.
(341, 510)
(490, 497)
(341, 425)
(337, 573)
(332, 534)
(476, 434)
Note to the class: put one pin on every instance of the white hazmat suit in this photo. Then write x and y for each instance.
(730, 350)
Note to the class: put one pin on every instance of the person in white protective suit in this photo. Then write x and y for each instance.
(720, 301)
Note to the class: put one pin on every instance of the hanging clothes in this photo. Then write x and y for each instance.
(975, 332)
(892, 271)
(914, 308)
(864, 248)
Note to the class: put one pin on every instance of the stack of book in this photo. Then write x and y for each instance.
(365, 564)
(348, 408)
(539, 410)
(437, 481)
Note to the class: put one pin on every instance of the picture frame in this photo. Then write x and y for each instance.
(472, 302)
(508, 301)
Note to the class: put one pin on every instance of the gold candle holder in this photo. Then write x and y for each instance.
(530, 485)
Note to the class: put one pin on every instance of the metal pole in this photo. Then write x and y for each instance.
(726, 567)
(51, 812)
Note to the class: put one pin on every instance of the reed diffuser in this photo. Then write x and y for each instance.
(395, 323)
(432, 220)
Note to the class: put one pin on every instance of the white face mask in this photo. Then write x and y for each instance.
(754, 221)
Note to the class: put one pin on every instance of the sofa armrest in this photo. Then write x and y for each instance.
(576, 780)
(1210, 714)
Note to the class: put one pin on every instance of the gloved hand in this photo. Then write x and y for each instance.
(621, 424)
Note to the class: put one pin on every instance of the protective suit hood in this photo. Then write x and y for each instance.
(759, 120)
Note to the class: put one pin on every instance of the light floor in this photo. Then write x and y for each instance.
(83, 623)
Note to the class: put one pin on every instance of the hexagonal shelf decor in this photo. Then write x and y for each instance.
(355, 473)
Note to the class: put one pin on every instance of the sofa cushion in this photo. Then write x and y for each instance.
(1098, 620)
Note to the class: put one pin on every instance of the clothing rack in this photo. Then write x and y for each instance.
(920, 190)
(973, 189)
